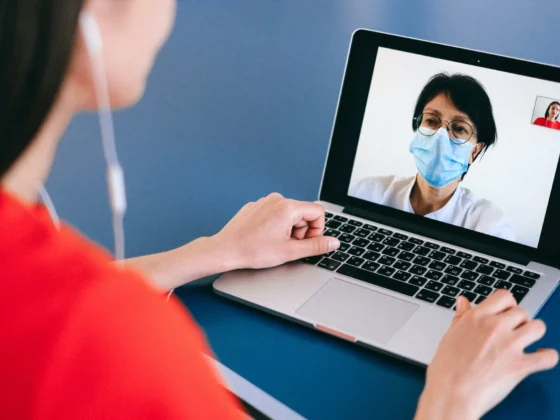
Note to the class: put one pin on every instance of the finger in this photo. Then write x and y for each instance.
(498, 302)
(300, 233)
(463, 305)
(310, 247)
(514, 317)
(543, 359)
(312, 213)
(530, 333)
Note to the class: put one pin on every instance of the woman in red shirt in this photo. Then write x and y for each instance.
(550, 119)
(83, 338)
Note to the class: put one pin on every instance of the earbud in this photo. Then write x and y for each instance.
(91, 33)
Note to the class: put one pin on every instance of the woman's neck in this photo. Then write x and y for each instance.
(32, 169)
(426, 199)
(551, 119)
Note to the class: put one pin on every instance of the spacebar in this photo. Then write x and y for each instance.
(377, 280)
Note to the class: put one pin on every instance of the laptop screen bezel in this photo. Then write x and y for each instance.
(346, 133)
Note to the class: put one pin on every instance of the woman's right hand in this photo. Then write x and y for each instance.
(482, 358)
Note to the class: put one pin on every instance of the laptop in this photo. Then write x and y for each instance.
(441, 179)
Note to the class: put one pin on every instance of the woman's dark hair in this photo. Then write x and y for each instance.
(548, 109)
(36, 43)
(468, 96)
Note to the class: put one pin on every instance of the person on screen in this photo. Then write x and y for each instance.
(453, 124)
(550, 119)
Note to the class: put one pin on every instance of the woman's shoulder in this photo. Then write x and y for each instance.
(478, 204)
(384, 182)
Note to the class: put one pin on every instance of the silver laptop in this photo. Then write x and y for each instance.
(442, 179)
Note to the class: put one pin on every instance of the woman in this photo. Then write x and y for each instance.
(82, 338)
(454, 124)
(550, 119)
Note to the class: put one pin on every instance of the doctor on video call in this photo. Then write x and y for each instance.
(454, 125)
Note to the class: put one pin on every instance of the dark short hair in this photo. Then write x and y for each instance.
(467, 95)
(550, 106)
(36, 44)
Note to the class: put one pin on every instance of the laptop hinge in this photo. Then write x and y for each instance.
(451, 238)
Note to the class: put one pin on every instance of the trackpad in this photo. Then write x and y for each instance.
(357, 310)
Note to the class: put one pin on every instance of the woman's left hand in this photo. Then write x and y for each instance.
(275, 230)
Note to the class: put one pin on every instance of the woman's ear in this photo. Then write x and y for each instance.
(476, 150)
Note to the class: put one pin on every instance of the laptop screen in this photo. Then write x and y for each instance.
(460, 144)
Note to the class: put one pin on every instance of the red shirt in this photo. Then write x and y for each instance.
(543, 122)
(82, 339)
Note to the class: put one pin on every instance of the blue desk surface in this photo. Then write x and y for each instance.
(241, 104)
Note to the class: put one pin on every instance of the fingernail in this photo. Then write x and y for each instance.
(333, 244)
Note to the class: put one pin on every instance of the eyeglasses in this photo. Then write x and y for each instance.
(428, 124)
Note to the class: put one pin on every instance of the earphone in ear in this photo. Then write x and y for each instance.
(115, 175)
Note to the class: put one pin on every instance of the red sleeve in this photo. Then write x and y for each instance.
(125, 353)
(539, 121)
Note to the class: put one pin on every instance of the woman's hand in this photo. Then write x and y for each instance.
(275, 230)
(482, 358)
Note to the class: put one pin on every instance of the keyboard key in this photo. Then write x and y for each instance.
(436, 255)
(466, 285)
(375, 247)
(496, 264)
(447, 250)
(469, 265)
(386, 260)
(451, 291)
(522, 280)
(451, 280)
(333, 233)
(377, 280)
(454, 271)
(329, 264)
(451, 259)
(421, 250)
(481, 260)
(406, 246)
(361, 242)
(514, 270)
(340, 219)
(486, 280)
(355, 223)
(333, 224)
(370, 227)
(421, 261)
(446, 302)
(483, 290)
(501, 274)
(406, 256)
(400, 236)
(344, 246)
(464, 255)
(531, 275)
(436, 265)
(312, 260)
(362, 233)
(434, 286)
(340, 256)
(392, 252)
(503, 285)
(385, 232)
(371, 256)
(427, 296)
(470, 296)
(402, 275)
(418, 281)
(347, 228)
(371, 266)
(470, 275)
(391, 242)
(431, 245)
(480, 299)
(519, 292)
(386, 271)
(418, 270)
(328, 215)
(358, 252)
(484, 269)
(433, 275)
(415, 241)
(376, 237)
(402, 265)
(346, 238)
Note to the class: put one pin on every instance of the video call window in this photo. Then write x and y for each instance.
(451, 142)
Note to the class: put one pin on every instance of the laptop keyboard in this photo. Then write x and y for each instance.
(415, 267)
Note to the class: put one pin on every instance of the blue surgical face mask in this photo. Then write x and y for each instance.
(438, 159)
